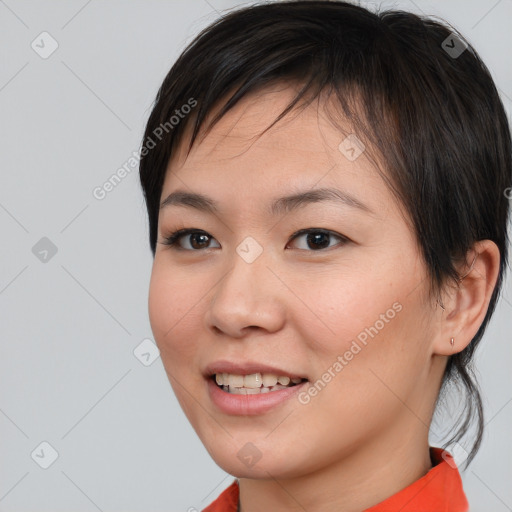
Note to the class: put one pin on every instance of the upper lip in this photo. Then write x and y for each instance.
(247, 368)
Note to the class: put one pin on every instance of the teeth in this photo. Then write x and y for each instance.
(252, 391)
(235, 381)
(269, 380)
(254, 383)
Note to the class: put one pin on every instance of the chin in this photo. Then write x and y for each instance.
(260, 471)
(249, 462)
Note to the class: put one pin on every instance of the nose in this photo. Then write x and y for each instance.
(250, 296)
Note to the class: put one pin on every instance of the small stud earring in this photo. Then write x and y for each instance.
(452, 341)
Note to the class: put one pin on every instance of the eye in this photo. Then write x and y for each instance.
(197, 239)
(318, 238)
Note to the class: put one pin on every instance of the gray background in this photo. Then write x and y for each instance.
(70, 324)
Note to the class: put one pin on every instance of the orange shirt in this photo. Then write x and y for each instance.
(440, 490)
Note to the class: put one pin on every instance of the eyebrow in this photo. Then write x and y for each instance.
(279, 206)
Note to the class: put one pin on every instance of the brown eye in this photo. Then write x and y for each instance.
(318, 239)
(199, 240)
(196, 239)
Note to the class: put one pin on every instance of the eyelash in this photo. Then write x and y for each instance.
(173, 238)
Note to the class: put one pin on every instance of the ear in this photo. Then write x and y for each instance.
(466, 303)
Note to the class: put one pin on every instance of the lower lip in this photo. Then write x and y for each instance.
(250, 404)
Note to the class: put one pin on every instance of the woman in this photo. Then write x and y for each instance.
(327, 197)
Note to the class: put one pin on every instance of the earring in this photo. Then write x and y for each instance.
(452, 341)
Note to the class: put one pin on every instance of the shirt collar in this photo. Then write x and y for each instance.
(440, 490)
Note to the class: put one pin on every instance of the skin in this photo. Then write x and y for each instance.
(364, 437)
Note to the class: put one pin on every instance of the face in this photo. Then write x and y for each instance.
(331, 290)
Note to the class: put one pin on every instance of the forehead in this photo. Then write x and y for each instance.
(302, 150)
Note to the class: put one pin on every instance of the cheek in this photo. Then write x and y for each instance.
(360, 387)
(344, 307)
(173, 318)
(362, 327)
(175, 324)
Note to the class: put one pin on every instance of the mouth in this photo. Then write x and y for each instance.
(254, 383)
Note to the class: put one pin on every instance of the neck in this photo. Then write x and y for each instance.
(360, 480)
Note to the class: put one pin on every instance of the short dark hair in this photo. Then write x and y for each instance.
(434, 117)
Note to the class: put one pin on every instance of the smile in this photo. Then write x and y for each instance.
(241, 399)
(254, 383)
